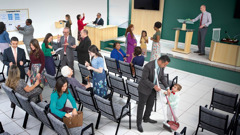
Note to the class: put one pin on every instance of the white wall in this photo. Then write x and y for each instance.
(119, 12)
(45, 12)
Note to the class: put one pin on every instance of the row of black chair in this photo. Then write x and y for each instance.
(38, 111)
(217, 122)
(106, 107)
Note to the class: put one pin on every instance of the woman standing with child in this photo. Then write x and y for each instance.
(156, 48)
(143, 42)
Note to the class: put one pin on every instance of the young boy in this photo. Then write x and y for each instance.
(173, 101)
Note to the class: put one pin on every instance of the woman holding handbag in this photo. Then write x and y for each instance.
(59, 98)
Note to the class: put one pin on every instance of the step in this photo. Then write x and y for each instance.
(108, 48)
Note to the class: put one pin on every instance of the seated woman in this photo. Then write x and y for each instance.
(67, 72)
(21, 87)
(59, 98)
(117, 53)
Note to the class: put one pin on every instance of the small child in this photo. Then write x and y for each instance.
(143, 42)
(138, 59)
(173, 101)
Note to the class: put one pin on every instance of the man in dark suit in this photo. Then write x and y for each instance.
(15, 55)
(67, 42)
(99, 20)
(82, 49)
(147, 88)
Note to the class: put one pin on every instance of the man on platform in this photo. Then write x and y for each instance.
(148, 87)
(15, 55)
(82, 49)
(99, 20)
(205, 20)
(67, 42)
(27, 32)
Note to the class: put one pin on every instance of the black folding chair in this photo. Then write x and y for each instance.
(212, 121)
(2, 77)
(112, 65)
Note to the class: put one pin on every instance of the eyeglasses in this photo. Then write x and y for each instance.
(65, 32)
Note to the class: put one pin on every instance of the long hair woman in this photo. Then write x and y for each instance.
(47, 49)
(4, 37)
(37, 64)
(59, 97)
(19, 85)
(131, 42)
(99, 76)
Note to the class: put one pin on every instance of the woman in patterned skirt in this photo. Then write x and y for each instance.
(99, 76)
(37, 64)
(156, 48)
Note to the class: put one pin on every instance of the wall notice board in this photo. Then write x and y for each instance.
(13, 18)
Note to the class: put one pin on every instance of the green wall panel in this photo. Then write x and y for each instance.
(222, 17)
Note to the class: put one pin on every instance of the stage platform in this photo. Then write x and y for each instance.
(188, 62)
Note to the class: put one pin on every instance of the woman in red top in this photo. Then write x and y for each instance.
(37, 64)
(80, 25)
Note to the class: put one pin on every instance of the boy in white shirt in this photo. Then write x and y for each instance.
(173, 98)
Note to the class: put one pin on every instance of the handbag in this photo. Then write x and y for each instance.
(74, 121)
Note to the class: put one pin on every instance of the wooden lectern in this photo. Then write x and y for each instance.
(188, 37)
(99, 33)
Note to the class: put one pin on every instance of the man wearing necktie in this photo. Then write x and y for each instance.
(99, 20)
(205, 20)
(15, 55)
(147, 88)
(67, 42)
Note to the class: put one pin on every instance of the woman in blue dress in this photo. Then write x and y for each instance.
(97, 66)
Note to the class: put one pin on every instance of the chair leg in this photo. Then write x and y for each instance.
(202, 129)
(98, 120)
(130, 121)
(25, 120)
(13, 111)
(197, 130)
(118, 126)
(41, 129)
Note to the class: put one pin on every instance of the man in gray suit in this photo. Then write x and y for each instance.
(27, 32)
(147, 89)
(67, 43)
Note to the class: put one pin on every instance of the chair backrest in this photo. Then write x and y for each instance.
(58, 125)
(41, 114)
(84, 71)
(11, 95)
(75, 55)
(106, 108)
(138, 72)
(118, 85)
(111, 65)
(224, 100)
(213, 121)
(132, 90)
(73, 92)
(25, 103)
(51, 80)
(1, 56)
(86, 99)
(166, 77)
(125, 69)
